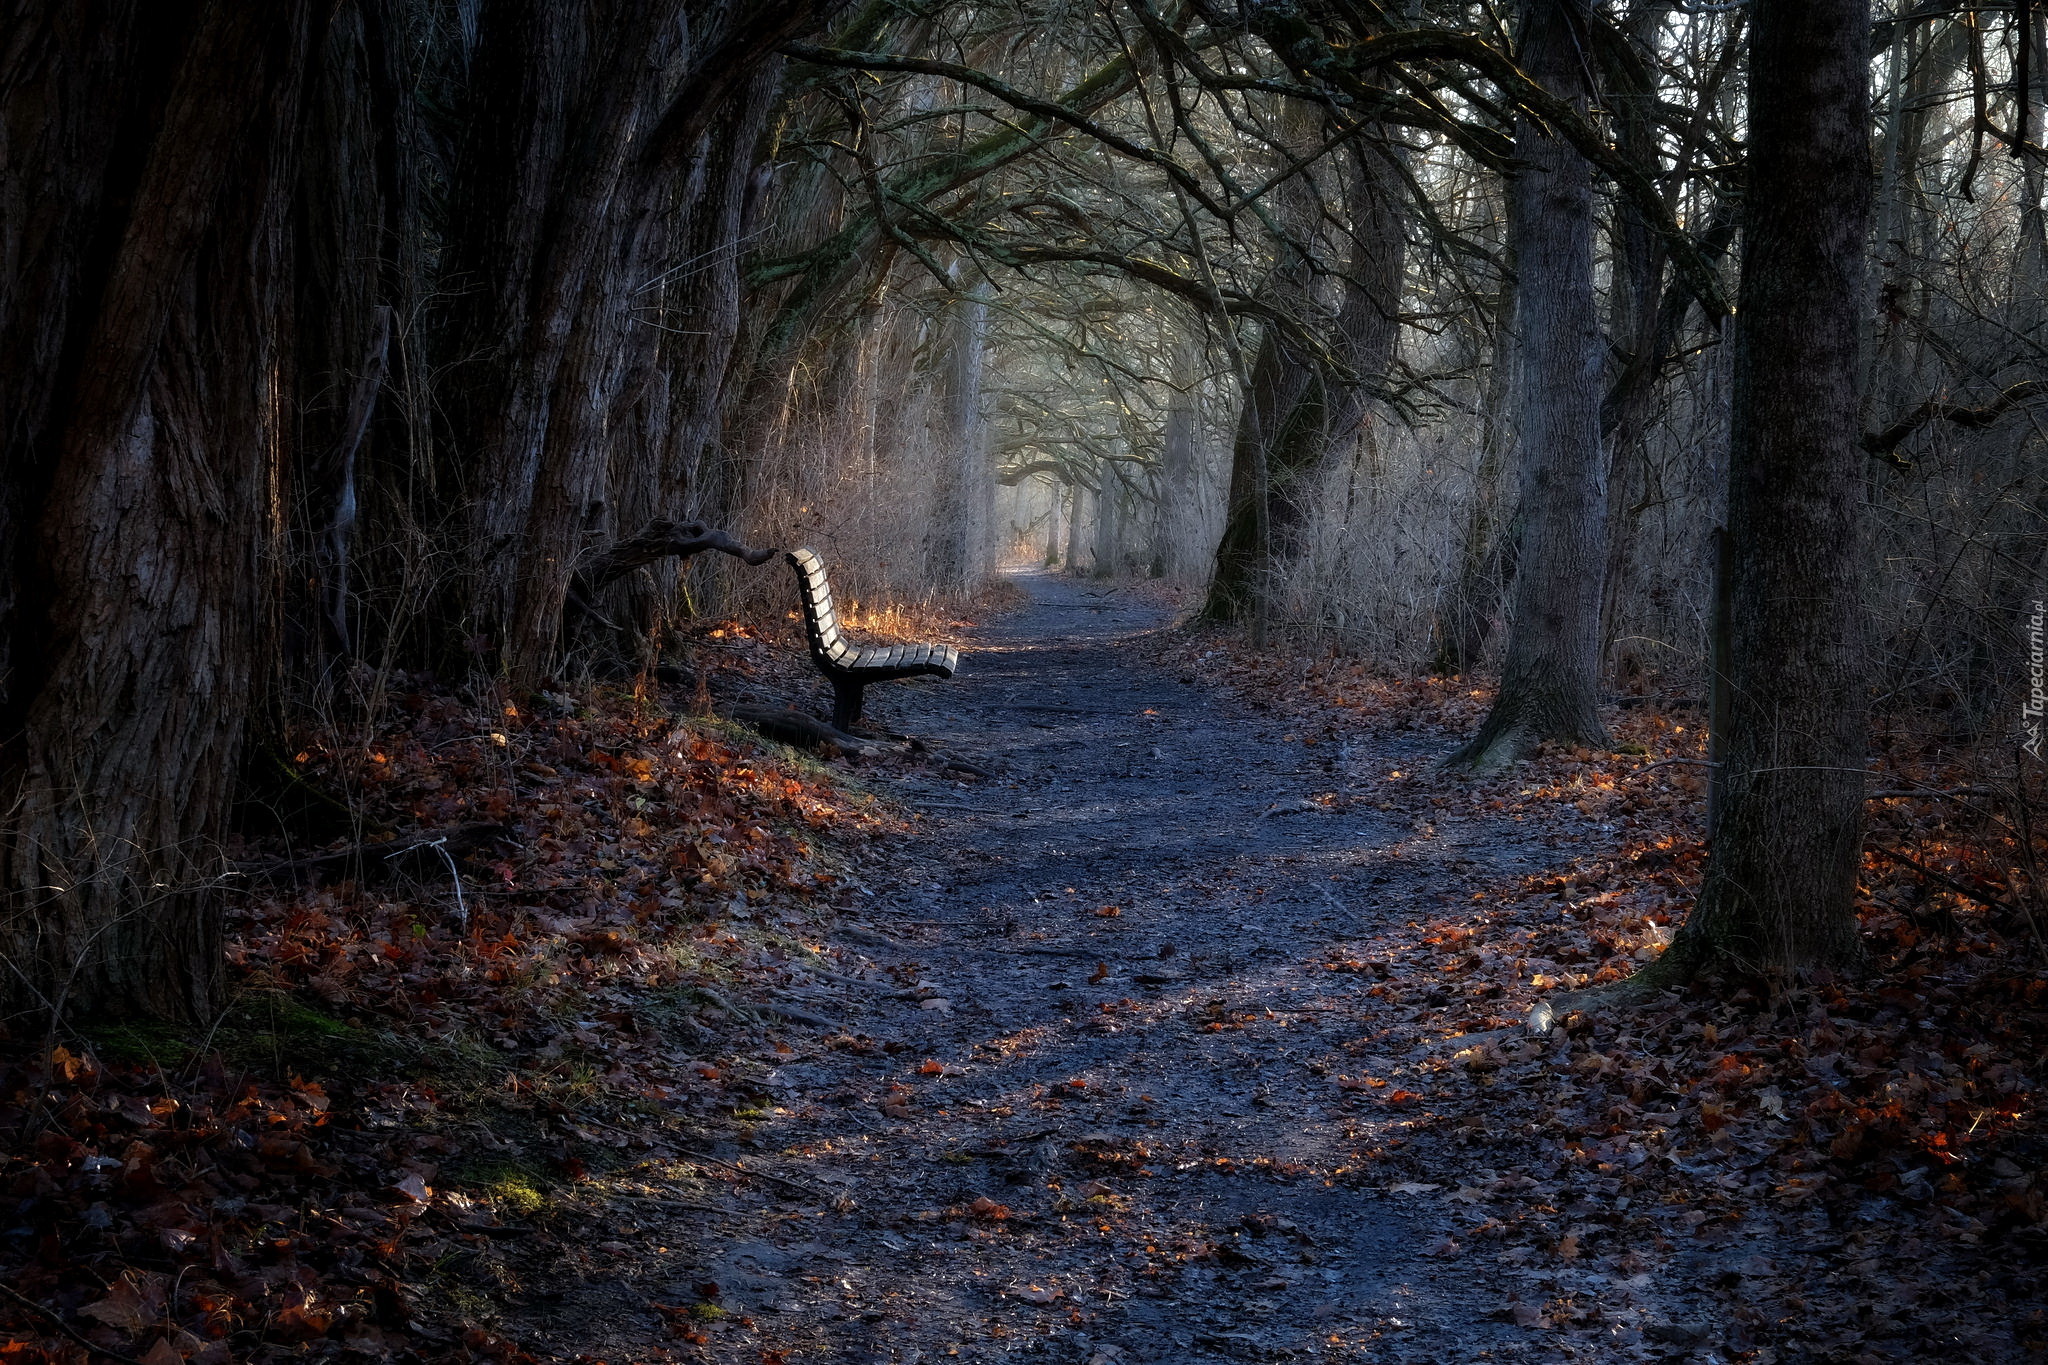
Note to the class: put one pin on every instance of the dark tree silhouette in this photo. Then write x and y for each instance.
(1787, 827)
(1549, 685)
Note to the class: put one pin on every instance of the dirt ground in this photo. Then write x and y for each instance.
(1090, 1093)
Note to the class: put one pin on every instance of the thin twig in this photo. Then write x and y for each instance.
(665, 1202)
(1949, 882)
(801, 1188)
(1668, 762)
(1952, 794)
(66, 1328)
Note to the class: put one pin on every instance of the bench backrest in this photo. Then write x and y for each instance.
(821, 622)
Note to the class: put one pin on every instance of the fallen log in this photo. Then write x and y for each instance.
(792, 727)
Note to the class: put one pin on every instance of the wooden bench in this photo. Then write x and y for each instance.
(849, 667)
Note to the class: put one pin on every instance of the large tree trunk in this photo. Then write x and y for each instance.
(598, 134)
(205, 276)
(1787, 829)
(1549, 687)
(1297, 417)
(140, 490)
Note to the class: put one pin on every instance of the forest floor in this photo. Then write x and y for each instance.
(1184, 1066)
(1159, 1004)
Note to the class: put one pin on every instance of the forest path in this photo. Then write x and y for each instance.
(1149, 1095)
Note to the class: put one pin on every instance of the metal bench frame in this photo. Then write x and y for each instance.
(850, 667)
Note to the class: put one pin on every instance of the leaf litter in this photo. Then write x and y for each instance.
(664, 1086)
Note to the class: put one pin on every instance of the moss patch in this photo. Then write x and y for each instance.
(512, 1186)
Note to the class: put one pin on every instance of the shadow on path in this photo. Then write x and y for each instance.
(1095, 1115)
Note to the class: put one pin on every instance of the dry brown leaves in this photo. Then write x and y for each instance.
(172, 1201)
(1880, 1134)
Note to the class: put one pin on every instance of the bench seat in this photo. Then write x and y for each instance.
(850, 667)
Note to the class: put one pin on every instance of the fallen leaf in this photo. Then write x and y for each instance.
(134, 1302)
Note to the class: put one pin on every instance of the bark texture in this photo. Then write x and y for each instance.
(1549, 688)
(139, 492)
(1787, 828)
(1299, 416)
(228, 400)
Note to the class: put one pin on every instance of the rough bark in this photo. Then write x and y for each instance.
(222, 391)
(591, 168)
(1298, 416)
(134, 639)
(1549, 687)
(1787, 829)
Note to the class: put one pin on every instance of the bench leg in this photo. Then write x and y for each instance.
(846, 703)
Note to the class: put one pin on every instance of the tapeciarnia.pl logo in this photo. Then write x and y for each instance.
(2037, 680)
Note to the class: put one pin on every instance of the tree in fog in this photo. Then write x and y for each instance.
(1550, 679)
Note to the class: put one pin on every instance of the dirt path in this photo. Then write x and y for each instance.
(1101, 1118)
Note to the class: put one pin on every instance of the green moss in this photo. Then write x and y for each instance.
(139, 1044)
(296, 1019)
(512, 1186)
(278, 1033)
(709, 1312)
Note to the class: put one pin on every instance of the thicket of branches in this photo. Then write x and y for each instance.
(1191, 160)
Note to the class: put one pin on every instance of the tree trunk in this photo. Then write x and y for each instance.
(602, 138)
(1465, 622)
(961, 527)
(1787, 831)
(1297, 417)
(1108, 526)
(1074, 502)
(1638, 256)
(1180, 475)
(1549, 686)
(142, 490)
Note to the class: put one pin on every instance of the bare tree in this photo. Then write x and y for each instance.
(1787, 830)
(1549, 687)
